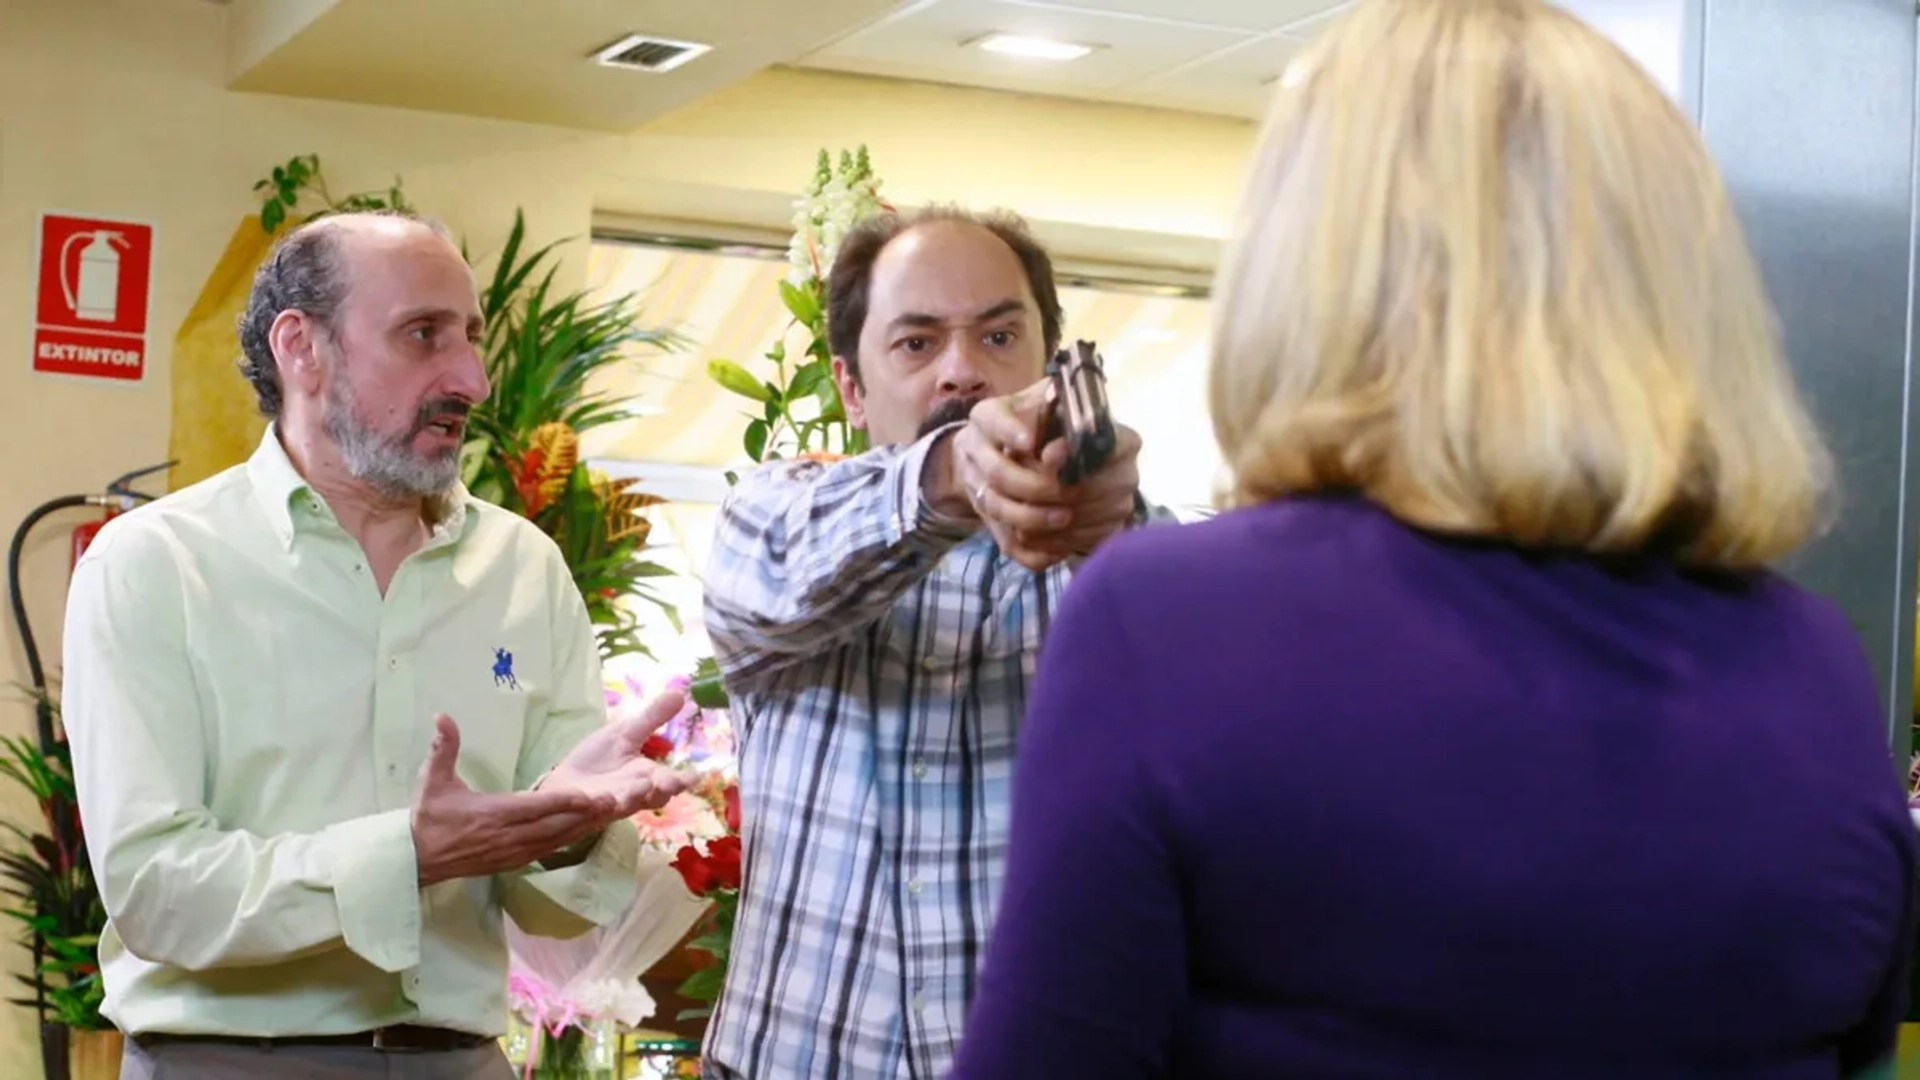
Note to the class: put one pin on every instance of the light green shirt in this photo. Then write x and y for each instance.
(248, 718)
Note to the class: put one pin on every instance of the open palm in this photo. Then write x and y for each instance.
(610, 762)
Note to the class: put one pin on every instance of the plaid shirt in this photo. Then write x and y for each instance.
(878, 659)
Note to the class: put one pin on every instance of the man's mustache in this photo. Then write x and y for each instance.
(441, 409)
(950, 411)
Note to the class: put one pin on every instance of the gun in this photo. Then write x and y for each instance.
(1077, 411)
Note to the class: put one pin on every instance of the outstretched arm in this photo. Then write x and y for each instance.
(806, 554)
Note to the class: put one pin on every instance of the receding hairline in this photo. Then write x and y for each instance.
(1024, 300)
(348, 235)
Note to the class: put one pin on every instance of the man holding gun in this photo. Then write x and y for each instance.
(877, 620)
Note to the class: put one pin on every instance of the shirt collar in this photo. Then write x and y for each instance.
(276, 484)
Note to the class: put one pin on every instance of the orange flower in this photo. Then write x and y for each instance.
(525, 470)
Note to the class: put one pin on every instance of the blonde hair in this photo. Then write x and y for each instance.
(1485, 274)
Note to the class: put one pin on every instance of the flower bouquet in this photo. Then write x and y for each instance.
(574, 997)
(699, 830)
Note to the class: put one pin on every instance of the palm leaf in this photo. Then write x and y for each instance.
(546, 348)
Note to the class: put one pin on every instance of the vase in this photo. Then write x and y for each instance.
(94, 1055)
(589, 1051)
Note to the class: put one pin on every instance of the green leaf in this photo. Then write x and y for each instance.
(756, 439)
(733, 377)
(708, 692)
(804, 304)
(703, 985)
(809, 380)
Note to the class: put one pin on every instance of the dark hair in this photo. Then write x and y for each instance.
(303, 272)
(850, 281)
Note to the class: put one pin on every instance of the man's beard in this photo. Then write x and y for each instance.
(388, 463)
(950, 411)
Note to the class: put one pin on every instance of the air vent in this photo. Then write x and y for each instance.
(644, 52)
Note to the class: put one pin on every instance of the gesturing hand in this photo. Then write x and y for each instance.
(610, 765)
(461, 833)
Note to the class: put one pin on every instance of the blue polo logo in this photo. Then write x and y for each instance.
(503, 670)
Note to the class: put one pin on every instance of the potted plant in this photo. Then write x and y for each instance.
(55, 899)
(544, 351)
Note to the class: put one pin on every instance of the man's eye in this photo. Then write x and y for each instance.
(422, 333)
(1000, 338)
(915, 344)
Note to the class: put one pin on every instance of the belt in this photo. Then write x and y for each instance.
(401, 1038)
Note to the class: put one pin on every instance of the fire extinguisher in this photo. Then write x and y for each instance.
(84, 532)
(118, 498)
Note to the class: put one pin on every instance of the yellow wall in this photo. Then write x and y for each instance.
(115, 107)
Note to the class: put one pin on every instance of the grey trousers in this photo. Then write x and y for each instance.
(239, 1061)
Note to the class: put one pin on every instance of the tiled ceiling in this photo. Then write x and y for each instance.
(1212, 56)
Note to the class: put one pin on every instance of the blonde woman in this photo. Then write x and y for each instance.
(1476, 740)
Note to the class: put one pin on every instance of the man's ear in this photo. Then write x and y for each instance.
(851, 394)
(294, 338)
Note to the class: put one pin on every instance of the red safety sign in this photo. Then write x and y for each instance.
(90, 309)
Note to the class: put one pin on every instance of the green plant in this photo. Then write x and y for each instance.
(801, 412)
(544, 350)
(51, 883)
(282, 193)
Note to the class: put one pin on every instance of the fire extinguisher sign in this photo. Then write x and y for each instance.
(90, 314)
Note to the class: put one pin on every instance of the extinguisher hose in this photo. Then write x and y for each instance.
(119, 493)
(43, 705)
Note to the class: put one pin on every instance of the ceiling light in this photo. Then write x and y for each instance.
(1032, 48)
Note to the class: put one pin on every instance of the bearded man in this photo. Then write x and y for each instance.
(331, 716)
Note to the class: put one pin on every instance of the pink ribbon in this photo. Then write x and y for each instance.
(546, 1011)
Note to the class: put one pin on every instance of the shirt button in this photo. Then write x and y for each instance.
(929, 664)
(919, 768)
(919, 1003)
(393, 663)
(916, 886)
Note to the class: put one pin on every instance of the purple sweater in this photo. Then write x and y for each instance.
(1306, 793)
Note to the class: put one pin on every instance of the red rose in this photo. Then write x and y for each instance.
(732, 798)
(723, 861)
(657, 747)
(694, 870)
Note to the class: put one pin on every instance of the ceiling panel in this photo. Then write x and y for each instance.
(1259, 16)
(930, 43)
(510, 59)
(1210, 56)
(1237, 79)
